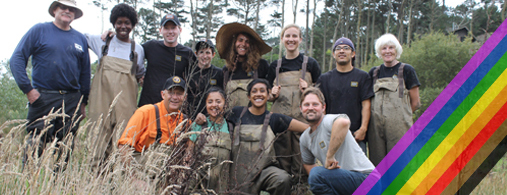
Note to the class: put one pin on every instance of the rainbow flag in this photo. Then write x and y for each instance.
(459, 138)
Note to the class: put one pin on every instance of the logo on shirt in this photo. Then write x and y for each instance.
(322, 145)
(178, 58)
(78, 47)
(354, 84)
(213, 82)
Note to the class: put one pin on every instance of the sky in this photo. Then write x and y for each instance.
(19, 16)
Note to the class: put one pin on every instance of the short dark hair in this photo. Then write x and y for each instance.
(123, 10)
(215, 89)
(255, 81)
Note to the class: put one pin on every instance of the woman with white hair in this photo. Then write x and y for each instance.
(396, 88)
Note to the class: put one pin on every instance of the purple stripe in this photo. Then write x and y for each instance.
(434, 108)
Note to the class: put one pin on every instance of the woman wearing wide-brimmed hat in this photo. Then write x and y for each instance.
(242, 48)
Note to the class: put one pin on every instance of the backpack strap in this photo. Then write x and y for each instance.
(133, 57)
(256, 74)
(238, 124)
(159, 130)
(400, 79)
(278, 65)
(264, 131)
(303, 68)
(226, 78)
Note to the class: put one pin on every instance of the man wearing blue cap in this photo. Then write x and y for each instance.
(165, 59)
(348, 90)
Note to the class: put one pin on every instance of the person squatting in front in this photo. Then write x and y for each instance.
(329, 140)
(254, 165)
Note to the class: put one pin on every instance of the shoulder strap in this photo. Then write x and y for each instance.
(303, 68)
(400, 79)
(256, 74)
(105, 48)
(264, 130)
(236, 129)
(133, 57)
(375, 74)
(159, 130)
(226, 78)
(278, 65)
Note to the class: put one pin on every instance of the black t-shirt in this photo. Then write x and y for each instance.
(409, 74)
(240, 73)
(344, 93)
(295, 65)
(278, 122)
(163, 62)
(201, 80)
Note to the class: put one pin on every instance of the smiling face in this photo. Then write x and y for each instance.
(343, 55)
(215, 105)
(173, 98)
(64, 15)
(242, 45)
(259, 95)
(123, 27)
(204, 57)
(388, 53)
(170, 32)
(291, 39)
(312, 108)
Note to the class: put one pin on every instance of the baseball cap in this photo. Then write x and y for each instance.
(345, 41)
(175, 81)
(170, 17)
(204, 43)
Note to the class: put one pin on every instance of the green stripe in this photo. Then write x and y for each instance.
(446, 127)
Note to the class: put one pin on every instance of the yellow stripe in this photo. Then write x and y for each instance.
(453, 136)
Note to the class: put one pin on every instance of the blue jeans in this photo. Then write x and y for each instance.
(334, 181)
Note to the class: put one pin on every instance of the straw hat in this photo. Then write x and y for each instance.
(70, 3)
(224, 38)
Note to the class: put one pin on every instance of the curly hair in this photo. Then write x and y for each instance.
(123, 10)
(252, 57)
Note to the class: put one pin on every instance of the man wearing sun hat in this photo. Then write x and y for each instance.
(165, 58)
(61, 74)
(348, 90)
(242, 49)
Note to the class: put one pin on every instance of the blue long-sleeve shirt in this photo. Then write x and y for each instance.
(60, 60)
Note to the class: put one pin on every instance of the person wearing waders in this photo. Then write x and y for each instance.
(396, 88)
(254, 165)
(242, 49)
(290, 76)
(213, 143)
(121, 66)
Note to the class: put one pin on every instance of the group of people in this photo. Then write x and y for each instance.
(329, 117)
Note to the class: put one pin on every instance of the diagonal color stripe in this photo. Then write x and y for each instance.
(440, 126)
(435, 107)
(463, 129)
(468, 156)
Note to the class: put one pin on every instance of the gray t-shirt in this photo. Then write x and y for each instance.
(349, 155)
(117, 49)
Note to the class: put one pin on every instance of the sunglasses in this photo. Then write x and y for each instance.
(64, 7)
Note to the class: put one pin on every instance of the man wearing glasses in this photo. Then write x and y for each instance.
(348, 90)
(60, 76)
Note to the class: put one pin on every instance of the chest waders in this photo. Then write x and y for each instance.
(391, 114)
(252, 151)
(113, 76)
(236, 89)
(287, 147)
(216, 149)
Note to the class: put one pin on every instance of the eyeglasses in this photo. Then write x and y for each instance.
(346, 48)
(64, 7)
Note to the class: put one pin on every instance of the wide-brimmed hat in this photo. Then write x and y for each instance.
(224, 38)
(70, 3)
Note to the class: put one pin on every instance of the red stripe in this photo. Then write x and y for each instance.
(470, 151)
